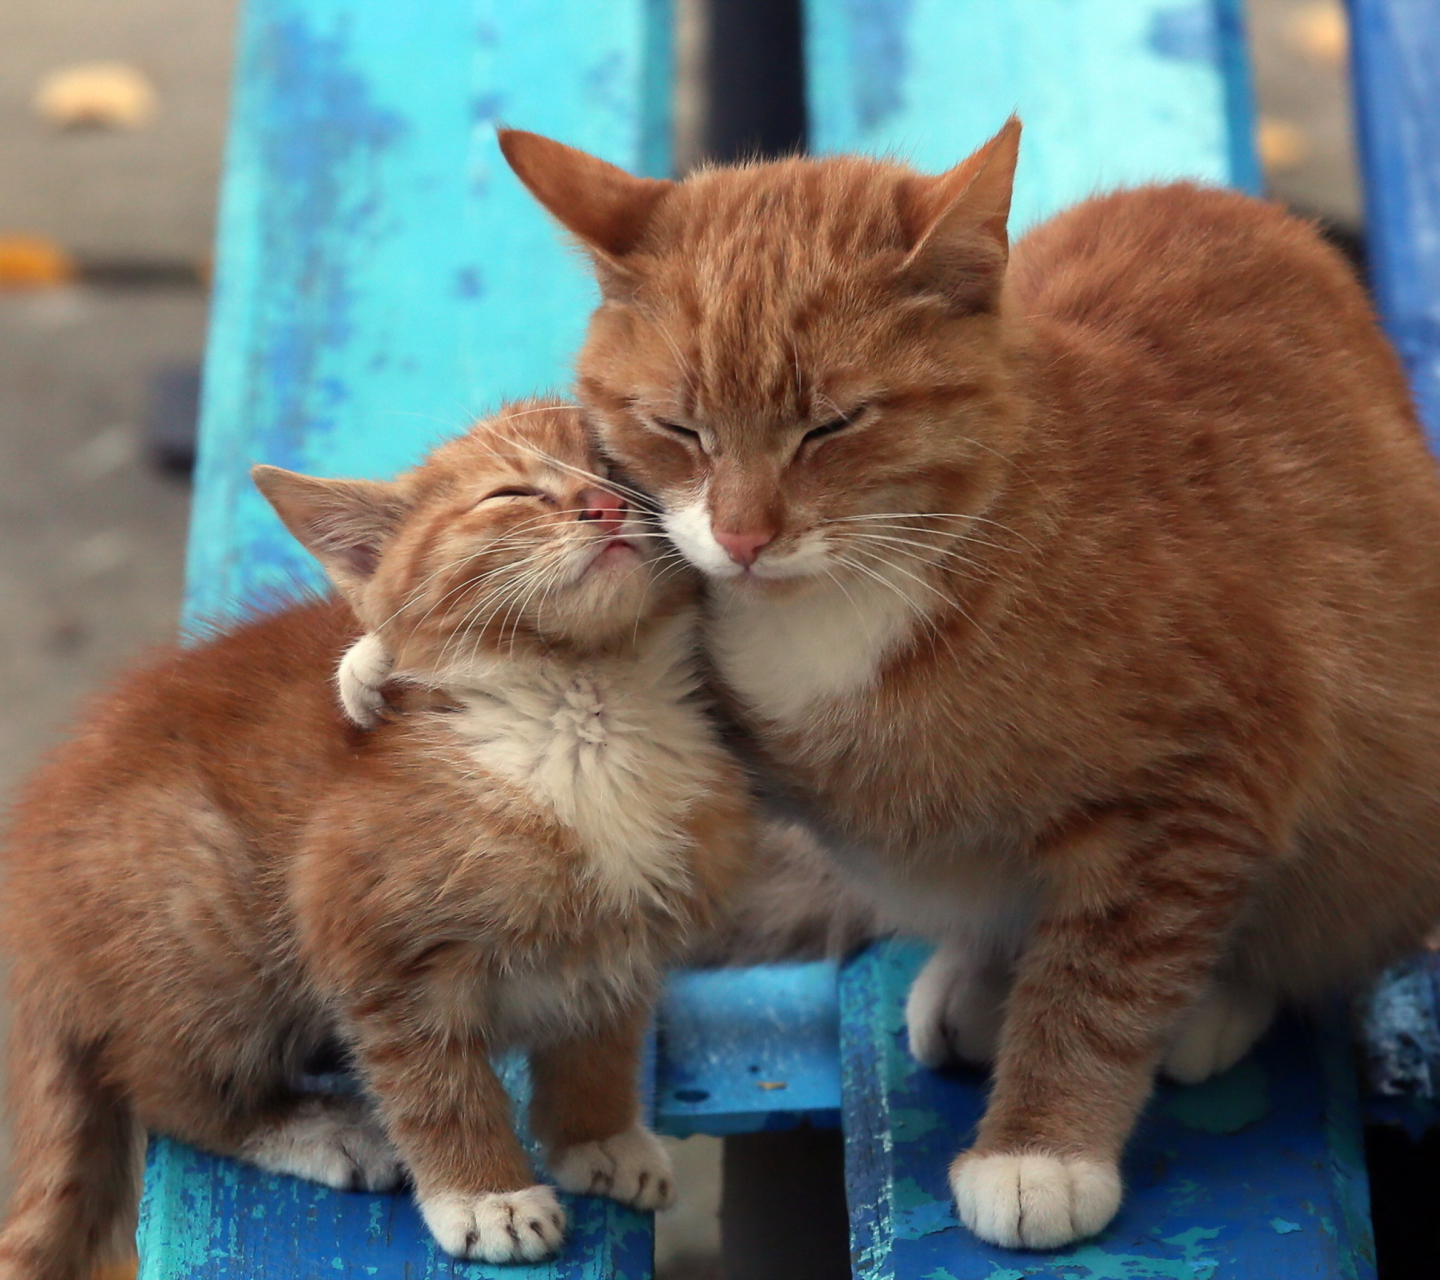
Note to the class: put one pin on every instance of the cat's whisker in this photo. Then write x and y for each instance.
(942, 557)
(939, 515)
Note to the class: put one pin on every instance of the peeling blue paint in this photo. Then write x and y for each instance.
(1188, 32)
(1207, 1172)
(1225, 1103)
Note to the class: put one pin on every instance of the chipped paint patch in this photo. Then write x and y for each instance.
(1225, 1103)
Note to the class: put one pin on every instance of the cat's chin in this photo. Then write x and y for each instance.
(757, 586)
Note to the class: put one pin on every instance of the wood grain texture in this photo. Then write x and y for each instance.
(1396, 49)
(208, 1218)
(382, 277)
(1112, 92)
(743, 1050)
(1255, 1174)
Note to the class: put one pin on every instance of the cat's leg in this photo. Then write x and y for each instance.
(77, 1155)
(334, 1140)
(585, 1109)
(1217, 1032)
(449, 1117)
(361, 676)
(1129, 928)
(956, 1006)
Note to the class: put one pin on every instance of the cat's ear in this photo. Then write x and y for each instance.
(605, 208)
(958, 221)
(342, 523)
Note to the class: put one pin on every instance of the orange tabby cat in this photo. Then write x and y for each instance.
(218, 874)
(1087, 598)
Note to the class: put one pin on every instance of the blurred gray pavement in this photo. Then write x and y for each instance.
(124, 194)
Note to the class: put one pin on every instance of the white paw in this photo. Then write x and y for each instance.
(1032, 1201)
(631, 1167)
(336, 1141)
(496, 1226)
(361, 675)
(955, 1010)
(1216, 1034)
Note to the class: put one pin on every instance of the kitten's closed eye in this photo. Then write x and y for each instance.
(519, 491)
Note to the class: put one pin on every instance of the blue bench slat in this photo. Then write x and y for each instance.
(742, 1050)
(207, 1218)
(1396, 84)
(1396, 49)
(381, 276)
(1255, 1175)
(1112, 92)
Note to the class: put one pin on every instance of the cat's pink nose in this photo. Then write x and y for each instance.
(743, 548)
(604, 507)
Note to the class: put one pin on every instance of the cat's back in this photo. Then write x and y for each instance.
(185, 766)
(1210, 358)
(1212, 296)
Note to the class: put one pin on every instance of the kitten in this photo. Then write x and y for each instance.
(217, 874)
(1085, 599)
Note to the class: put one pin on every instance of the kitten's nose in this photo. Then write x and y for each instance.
(743, 548)
(604, 507)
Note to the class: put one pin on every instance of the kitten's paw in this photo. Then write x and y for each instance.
(1216, 1034)
(1033, 1201)
(361, 675)
(336, 1141)
(954, 1011)
(497, 1226)
(631, 1167)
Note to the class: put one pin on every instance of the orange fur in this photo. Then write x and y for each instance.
(1091, 608)
(218, 874)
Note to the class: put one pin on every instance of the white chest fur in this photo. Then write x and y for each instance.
(615, 749)
(783, 654)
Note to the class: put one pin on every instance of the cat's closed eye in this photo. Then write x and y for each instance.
(688, 434)
(519, 491)
(835, 424)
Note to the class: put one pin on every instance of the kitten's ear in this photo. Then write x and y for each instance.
(342, 523)
(959, 223)
(607, 209)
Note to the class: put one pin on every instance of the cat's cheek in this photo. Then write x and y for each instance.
(688, 525)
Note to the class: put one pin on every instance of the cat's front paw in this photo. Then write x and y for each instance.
(631, 1167)
(954, 1011)
(335, 1141)
(1033, 1201)
(496, 1226)
(1216, 1034)
(361, 677)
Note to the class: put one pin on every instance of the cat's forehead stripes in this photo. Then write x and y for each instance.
(764, 280)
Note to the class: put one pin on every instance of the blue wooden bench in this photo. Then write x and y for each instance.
(382, 278)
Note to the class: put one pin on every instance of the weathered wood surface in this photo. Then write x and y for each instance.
(207, 1218)
(381, 275)
(742, 1050)
(1254, 1175)
(381, 278)
(1112, 92)
(1396, 51)
(1396, 47)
